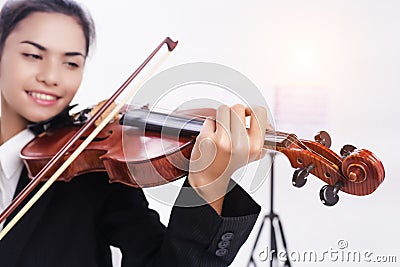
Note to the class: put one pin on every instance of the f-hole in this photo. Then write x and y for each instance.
(100, 137)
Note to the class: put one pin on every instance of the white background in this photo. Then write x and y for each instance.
(350, 50)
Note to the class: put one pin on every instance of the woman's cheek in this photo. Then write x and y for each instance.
(74, 81)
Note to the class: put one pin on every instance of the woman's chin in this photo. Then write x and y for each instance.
(36, 118)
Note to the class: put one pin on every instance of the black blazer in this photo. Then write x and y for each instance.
(74, 224)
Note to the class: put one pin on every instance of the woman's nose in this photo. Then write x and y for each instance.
(49, 74)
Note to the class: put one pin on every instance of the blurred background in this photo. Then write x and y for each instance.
(320, 64)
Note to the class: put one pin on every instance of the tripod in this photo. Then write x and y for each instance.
(275, 227)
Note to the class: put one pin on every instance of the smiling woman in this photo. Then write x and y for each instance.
(44, 45)
(43, 67)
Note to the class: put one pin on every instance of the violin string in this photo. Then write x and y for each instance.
(297, 142)
(293, 139)
(170, 112)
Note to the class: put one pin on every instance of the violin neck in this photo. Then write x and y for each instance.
(143, 119)
(189, 127)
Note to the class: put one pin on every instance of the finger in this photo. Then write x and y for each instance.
(258, 125)
(258, 120)
(208, 128)
(238, 123)
(205, 144)
(223, 119)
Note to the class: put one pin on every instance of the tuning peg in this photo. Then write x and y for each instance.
(300, 175)
(346, 150)
(323, 138)
(329, 194)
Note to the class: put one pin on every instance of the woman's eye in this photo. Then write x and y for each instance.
(72, 64)
(33, 56)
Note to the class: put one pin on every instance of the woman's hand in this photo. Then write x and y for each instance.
(223, 146)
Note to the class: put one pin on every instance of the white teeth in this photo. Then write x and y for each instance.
(43, 96)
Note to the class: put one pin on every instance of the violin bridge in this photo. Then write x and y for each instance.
(105, 113)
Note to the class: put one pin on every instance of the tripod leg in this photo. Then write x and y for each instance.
(272, 254)
(273, 243)
(251, 260)
(273, 247)
(287, 262)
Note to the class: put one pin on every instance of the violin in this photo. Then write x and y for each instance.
(143, 148)
(146, 148)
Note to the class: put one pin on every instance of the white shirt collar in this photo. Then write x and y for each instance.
(10, 152)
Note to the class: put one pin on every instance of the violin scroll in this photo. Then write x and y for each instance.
(355, 171)
(362, 166)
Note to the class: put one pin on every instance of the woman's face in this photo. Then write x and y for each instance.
(41, 66)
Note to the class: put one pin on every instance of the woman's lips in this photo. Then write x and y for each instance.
(42, 98)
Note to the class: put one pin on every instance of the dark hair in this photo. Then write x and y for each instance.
(14, 11)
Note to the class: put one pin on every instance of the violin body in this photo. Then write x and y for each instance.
(148, 160)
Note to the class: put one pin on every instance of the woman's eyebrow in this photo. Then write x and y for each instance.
(71, 54)
(38, 46)
(42, 48)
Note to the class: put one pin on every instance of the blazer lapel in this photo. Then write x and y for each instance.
(14, 242)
